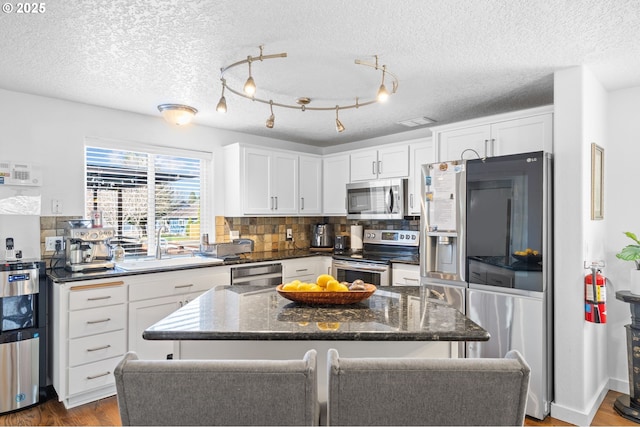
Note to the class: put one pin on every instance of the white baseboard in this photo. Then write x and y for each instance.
(621, 386)
(580, 418)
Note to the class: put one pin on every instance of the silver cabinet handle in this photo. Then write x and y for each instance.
(104, 347)
(272, 203)
(301, 270)
(92, 322)
(486, 142)
(276, 202)
(99, 298)
(301, 203)
(93, 377)
(411, 279)
(411, 200)
(373, 168)
(183, 286)
(379, 167)
(493, 140)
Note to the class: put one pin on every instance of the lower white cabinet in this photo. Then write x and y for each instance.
(405, 275)
(95, 322)
(303, 269)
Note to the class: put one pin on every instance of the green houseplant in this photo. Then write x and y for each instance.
(631, 252)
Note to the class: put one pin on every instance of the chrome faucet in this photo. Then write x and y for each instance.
(158, 245)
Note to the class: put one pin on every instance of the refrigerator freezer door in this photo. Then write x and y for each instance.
(515, 323)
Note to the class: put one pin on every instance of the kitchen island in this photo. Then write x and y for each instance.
(248, 322)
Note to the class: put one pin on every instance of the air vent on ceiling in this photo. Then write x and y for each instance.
(418, 121)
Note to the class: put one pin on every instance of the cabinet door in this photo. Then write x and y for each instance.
(257, 182)
(310, 173)
(523, 135)
(421, 153)
(143, 314)
(335, 176)
(452, 144)
(364, 165)
(284, 183)
(393, 162)
(405, 275)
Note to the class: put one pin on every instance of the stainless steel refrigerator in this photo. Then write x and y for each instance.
(504, 258)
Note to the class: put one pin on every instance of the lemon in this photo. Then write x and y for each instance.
(335, 286)
(328, 326)
(290, 286)
(315, 288)
(305, 287)
(323, 279)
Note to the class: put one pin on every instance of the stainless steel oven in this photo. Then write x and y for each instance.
(380, 249)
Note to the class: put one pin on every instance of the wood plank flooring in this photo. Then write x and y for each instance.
(105, 413)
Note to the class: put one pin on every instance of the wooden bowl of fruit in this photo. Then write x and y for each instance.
(327, 290)
(529, 256)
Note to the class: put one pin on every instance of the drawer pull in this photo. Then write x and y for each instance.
(184, 286)
(104, 347)
(91, 322)
(99, 298)
(411, 279)
(93, 377)
(301, 270)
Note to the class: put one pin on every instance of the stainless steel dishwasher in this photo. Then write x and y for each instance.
(260, 275)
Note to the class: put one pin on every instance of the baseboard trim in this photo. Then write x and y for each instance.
(573, 416)
(621, 386)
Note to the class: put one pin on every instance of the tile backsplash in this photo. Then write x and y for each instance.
(269, 233)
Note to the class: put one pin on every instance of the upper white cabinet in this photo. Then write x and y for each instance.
(517, 132)
(335, 176)
(310, 179)
(422, 152)
(380, 163)
(260, 182)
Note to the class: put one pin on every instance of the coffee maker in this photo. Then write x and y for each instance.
(86, 247)
(322, 236)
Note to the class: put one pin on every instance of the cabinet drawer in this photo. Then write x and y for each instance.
(96, 320)
(174, 283)
(97, 347)
(97, 295)
(93, 375)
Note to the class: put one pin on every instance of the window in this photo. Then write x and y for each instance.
(141, 192)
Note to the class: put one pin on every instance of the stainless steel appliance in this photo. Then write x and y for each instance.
(373, 264)
(379, 199)
(260, 275)
(322, 236)
(477, 216)
(341, 243)
(227, 250)
(87, 248)
(22, 334)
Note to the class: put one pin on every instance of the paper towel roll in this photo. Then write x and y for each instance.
(356, 238)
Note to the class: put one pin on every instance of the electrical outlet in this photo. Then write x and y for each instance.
(289, 234)
(234, 234)
(53, 243)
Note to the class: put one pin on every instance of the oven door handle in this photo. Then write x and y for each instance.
(358, 267)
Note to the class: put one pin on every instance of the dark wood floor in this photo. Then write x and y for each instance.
(105, 413)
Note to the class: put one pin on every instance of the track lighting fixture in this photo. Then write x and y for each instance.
(302, 103)
(222, 104)
(339, 125)
(271, 120)
(177, 114)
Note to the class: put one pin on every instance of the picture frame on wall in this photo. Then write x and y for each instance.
(597, 182)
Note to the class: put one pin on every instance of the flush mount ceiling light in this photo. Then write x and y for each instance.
(177, 114)
(302, 103)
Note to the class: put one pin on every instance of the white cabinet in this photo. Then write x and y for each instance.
(422, 152)
(335, 176)
(405, 275)
(154, 296)
(517, 132)
(383, 162)
(88, 328)
(310, 179)
(305, 269)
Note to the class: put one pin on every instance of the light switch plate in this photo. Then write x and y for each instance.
(50, 243)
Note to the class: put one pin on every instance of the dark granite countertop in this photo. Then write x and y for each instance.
(259, 313)
(61, 275)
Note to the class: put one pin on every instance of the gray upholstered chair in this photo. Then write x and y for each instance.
(409, 391)
(218, 392)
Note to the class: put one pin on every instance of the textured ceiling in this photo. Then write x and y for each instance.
(454, 59)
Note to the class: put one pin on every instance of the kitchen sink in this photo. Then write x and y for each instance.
(137, 264)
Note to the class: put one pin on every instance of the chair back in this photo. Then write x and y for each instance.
(410, 391)
(217, 392)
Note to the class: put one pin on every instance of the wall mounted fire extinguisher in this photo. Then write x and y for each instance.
(595, 296)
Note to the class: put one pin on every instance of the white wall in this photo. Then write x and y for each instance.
(622, 173)
(580, 350)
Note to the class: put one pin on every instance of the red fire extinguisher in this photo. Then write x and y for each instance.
(595, 297)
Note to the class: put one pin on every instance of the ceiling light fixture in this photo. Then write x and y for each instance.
(302, 103)
(177, 114)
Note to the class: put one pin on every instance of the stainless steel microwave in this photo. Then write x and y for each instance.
(379, 199)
